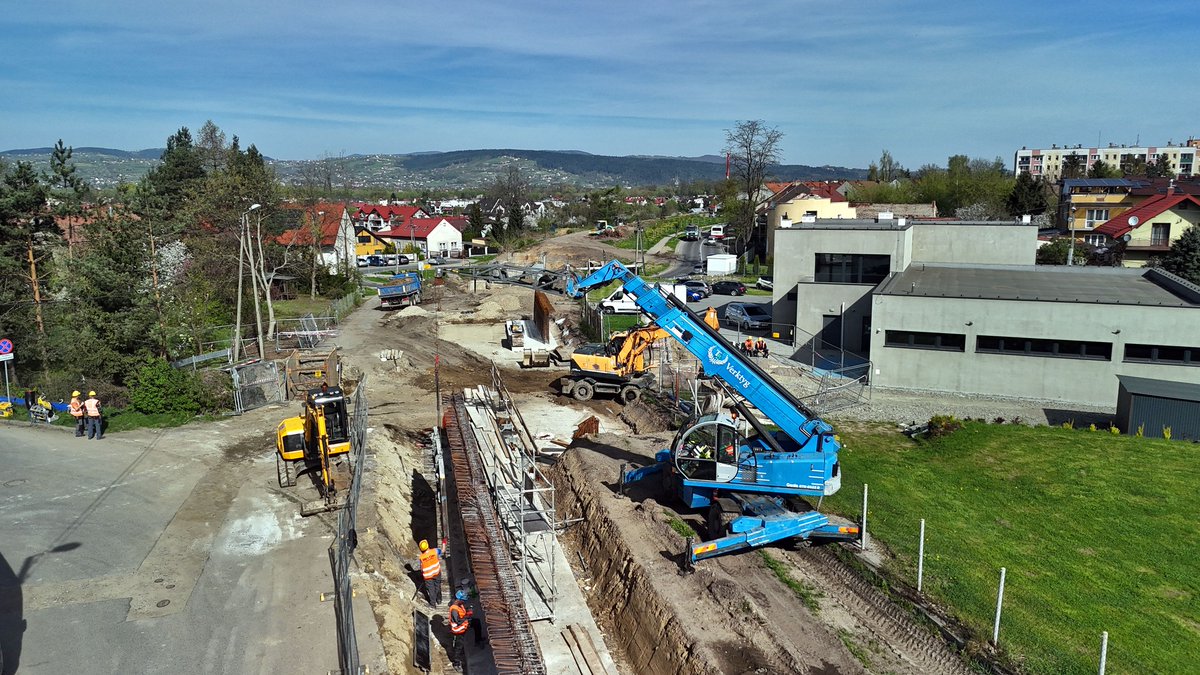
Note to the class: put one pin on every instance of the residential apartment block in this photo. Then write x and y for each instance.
(1048, 163)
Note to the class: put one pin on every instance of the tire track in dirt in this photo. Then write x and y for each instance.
(876, 614)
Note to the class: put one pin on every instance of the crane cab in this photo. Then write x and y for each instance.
(711, 450)
(299, 437)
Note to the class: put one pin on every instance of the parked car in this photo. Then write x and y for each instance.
(698, 268)
(747, 315)
(729, 288)
(701, 286)
(767, 283)
(364, 260)
(438, 260)
(375, 261)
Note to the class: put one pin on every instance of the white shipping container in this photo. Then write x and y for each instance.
(721, 264)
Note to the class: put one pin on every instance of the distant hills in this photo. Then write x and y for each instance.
(461, 169)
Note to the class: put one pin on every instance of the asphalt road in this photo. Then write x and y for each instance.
(161, 551)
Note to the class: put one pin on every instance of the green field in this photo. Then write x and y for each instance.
(658, 229)
(1098, 533)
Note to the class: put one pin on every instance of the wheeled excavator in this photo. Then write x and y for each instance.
(308, 443)
(620, 367)
(753, 480)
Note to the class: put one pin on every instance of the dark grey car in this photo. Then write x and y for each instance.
(747, 315)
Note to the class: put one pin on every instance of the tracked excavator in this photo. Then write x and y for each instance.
(620, 367)
(308, 444)
(753, 481)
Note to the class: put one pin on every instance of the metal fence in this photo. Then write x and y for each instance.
(255, 385)
(341, 551)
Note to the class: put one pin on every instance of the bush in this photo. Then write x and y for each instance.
(943, 425)
(156, 387)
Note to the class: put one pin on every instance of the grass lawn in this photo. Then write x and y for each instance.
(294, 309)
(1098, 532)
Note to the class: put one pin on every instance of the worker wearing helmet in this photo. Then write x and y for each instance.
(431, 570)
(710, 318)
(461, 618)
(95, 419)
(76, 409)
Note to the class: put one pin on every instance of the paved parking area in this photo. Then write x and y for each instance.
(162, 551)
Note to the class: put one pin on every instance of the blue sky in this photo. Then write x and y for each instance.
(841, 80)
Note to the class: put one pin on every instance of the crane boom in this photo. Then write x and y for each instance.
(747, 483)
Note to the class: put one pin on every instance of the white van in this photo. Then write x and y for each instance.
(618, 302)
(716, 232)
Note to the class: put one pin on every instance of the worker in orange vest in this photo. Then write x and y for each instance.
(431, 570)
(95, 421)
(462, 618)
(76, 409)
(710, 318)
(760, 346)
(748, 346)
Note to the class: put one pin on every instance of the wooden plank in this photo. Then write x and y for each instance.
(576, 653)
(588, 649)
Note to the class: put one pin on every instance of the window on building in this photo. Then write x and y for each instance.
(1096, 239)
(951, 342)
(1177, 356)
(850, 268)
(1095, 217)
(1160, 234)
(1067, 349)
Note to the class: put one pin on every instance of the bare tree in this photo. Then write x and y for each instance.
(753, 148)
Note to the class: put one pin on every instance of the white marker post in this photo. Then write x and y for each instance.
(999, 605)
(1103, 651)
(921, 557)
(864, 519)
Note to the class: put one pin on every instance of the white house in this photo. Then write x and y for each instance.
(431, 236)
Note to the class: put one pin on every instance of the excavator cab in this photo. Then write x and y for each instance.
(307, 441)
(711, 449)
(332, 403)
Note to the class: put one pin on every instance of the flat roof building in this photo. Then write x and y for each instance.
(959, 307)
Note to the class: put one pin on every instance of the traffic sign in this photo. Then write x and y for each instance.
(6, 357)
(6, 346)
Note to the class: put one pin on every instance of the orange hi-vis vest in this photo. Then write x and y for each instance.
(92, 406)
(75, 407)
(459, 618)
(431, 565)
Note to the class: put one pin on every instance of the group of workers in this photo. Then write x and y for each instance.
(752, 347)
(460, 618)
(88, 415)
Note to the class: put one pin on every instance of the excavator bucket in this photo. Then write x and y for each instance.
(337, 502)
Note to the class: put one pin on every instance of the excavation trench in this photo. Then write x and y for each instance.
(642, 627)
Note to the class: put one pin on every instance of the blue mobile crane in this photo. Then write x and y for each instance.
(753, 484)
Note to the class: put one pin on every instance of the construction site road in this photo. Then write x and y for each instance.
(162, 551)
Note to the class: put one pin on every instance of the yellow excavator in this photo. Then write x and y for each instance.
(620, 367)
(307, 444)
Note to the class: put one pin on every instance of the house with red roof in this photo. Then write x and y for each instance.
(430, 236)
(379, 217)
(1152, 226)
(328, 226)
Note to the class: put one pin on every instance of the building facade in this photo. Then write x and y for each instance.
(959, 307)
(1048, 163)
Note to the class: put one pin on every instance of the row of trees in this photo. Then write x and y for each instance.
(91, 288)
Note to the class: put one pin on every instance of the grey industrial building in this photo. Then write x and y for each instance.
(955, 306)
